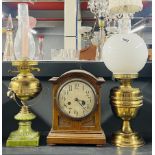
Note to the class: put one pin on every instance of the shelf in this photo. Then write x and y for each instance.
(79, 150)
(56, 68)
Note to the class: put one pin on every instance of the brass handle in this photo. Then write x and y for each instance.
(10, 71)
(37, 69)
(11, 94)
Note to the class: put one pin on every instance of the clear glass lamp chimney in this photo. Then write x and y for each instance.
(24, 45)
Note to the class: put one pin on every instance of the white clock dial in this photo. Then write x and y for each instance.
(76, 98)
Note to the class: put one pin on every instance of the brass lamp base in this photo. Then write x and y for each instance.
(24, 87)
(125, 103)
(24, 136)
(121, 139)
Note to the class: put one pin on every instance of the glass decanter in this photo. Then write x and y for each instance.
(39, 55)
(9, 50)
(124, 24)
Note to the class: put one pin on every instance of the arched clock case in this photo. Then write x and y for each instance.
(76, 109)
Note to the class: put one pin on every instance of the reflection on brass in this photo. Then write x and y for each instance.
(24, 87)
(125, 103)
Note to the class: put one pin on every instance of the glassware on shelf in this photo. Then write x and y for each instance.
(87, 33)
(95, 40)
(39, 55)
(124, 24)
(9, 50)
(111, 25)
(24, 45)
(124, 11)
(56, 54)
(71, 54)
(98, 40)
(64, 54)
(100, 10)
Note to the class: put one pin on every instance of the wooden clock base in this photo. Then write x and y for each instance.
(76, 138)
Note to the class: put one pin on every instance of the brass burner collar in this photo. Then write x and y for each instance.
(125, 76)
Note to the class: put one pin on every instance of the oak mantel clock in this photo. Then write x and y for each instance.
(76, 108)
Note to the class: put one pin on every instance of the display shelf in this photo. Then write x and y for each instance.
(79, 150)
(56, 68)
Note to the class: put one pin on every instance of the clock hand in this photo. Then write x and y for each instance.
(76, 99)
(82, 101)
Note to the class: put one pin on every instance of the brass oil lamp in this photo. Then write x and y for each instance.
(24, 87)
(125, 54)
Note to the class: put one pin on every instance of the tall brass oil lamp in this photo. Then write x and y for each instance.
(125, 54)
(24, 86)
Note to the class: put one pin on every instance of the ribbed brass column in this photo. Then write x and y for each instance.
(125, 102)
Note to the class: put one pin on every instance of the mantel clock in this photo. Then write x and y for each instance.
(76, 108)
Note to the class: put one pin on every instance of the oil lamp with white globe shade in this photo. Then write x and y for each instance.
(125, 54)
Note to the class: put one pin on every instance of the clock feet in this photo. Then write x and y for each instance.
(99, 145)
(52, 144)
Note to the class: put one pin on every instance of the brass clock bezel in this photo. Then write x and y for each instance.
(83, 81)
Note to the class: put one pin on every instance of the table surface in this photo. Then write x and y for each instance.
(78, 150)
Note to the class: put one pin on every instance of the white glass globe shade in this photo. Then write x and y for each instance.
(125, 53)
